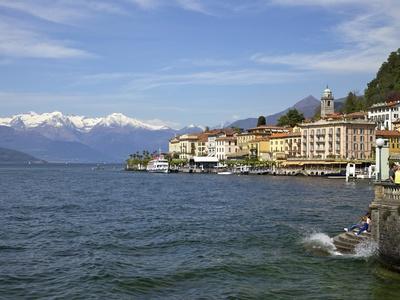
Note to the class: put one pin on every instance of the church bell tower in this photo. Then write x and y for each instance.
(327, 103)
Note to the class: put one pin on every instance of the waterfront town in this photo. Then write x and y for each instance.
(313, 147)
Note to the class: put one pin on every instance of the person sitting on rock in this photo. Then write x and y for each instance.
(363, 226)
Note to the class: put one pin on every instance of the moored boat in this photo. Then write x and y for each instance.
(158, 165)
(225, 173)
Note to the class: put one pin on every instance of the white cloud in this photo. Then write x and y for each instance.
(316, 2)
(230, 77)
(146, 4)
(367, 38)
(18, 42)
(334, 61)
(158, 122)
(206, 62)
(192, 5)
(65, 12)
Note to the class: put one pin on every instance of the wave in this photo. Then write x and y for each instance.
(320, 243)
(366, 249)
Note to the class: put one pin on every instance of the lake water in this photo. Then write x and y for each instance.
(74, 233)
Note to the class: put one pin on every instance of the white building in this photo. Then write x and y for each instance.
(211, 145)
(384, 114)
(225, 146)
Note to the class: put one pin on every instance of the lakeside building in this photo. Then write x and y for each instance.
(332, 140)
(293, 144)
(277, 145)
(385, 114)
(286, 145)
(260, 148)
(187, 146)
(267, 130)
(342, 139)
(392, 138)
(201, 146)
(174, 146)
(225, 146)
(337, 136)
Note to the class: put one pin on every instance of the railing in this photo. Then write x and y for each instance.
(385, 191)
(392, 192)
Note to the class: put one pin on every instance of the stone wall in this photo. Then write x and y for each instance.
(385, 228)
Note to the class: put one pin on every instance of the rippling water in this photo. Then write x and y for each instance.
(70, 232)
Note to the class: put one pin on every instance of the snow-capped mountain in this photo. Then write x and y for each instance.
(80, 123)
(58, 137)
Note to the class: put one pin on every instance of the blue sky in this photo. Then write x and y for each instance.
(178, 62)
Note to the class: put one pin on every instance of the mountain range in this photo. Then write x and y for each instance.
(307, 106)
(56, 137)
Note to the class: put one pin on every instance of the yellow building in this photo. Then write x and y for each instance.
(393, 138)
(277, 145)
(187, 147)
(243, 140)
(293, 144)
(260, 148)
(174, 146)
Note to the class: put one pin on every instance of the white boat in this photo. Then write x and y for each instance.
(158, 165)
(225, 173)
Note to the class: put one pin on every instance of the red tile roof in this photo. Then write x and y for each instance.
(388, 133)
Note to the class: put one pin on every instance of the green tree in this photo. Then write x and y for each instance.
(350, 104)
(353, 103)
(261, 121)
(292, 118)
(386, 82)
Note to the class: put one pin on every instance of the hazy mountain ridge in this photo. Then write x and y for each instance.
(9, 156)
